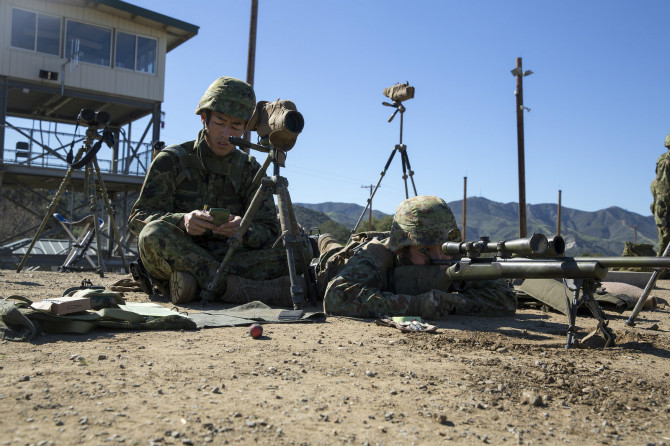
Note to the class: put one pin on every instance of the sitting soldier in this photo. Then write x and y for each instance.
(179, 243)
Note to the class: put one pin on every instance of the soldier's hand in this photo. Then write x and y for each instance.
(449, 300)
(435, 304)
(229, 229)
(198, 222)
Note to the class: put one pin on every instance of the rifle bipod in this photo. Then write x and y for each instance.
(290, 236)
(585, 287)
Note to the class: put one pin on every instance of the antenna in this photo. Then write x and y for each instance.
(75, 53)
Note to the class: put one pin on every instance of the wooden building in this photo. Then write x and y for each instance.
(59, 57)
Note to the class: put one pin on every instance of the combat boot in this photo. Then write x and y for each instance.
(273, 292)
(183, 287)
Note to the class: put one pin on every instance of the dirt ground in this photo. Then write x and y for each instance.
(342, 381)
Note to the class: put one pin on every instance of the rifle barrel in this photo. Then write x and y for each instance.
(630, 261)
(527, 269)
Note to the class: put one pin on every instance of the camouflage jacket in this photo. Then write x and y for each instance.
(184, 179)
(364, 288)
(660, 189)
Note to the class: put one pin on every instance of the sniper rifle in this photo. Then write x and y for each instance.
(537, 257)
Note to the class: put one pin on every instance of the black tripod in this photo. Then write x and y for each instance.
(406, 167)
(86, 156)
(290, 235)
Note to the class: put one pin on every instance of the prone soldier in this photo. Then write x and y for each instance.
(368, 280)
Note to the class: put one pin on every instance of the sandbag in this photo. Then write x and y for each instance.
(556, 295)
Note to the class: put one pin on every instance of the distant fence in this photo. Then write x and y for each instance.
(49, 148)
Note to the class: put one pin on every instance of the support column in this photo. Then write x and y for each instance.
(3, 115)
(156, 136)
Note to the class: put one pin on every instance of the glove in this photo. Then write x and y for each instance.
(434, 304)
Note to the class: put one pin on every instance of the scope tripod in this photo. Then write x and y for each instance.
(406, 167)
(278, 185)
(92, 172)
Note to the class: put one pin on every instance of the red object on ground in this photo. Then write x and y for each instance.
(256, 331)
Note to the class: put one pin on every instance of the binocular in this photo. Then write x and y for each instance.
(279, 121)
(90, 117)
(399, 92)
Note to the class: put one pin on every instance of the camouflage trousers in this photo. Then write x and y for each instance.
(165, 248)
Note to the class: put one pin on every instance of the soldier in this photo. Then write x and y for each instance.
(660, 189)
(368, 284)
(178, 242)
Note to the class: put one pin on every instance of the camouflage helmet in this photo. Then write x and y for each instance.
(230, 96)
(667, 140)
(421, 221)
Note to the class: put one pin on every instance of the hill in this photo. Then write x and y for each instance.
(344, 213)
(310, 219)
(601, 232)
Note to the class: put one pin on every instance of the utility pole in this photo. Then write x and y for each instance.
(465, 207)
(251, 57)
(369, 206)
(558, 217)
(519, 74)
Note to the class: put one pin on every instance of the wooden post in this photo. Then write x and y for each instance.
(251, 57)
(519, 132)
(558, 217)
(465, 207)
(369, 207)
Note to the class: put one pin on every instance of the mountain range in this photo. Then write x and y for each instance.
(600, 232)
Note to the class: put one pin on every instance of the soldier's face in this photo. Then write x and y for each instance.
(422, 255)
(219, 129)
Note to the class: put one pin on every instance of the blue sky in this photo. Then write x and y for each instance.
(599, 94)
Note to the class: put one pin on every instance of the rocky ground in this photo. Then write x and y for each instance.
(342, 381)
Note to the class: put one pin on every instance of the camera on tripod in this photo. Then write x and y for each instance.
(399, 92)
(278, 122)
(93, 118)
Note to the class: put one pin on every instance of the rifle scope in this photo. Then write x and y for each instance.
(536, 244)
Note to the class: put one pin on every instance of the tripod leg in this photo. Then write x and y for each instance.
(110, 213)
(311, 292)
(289, 229)
(234, 241)
(386, 167)
(90, 180)
(50, 210)
(405, 158)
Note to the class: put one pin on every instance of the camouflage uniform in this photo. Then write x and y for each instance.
(365, 287)
(188, 177)
(660, 189)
